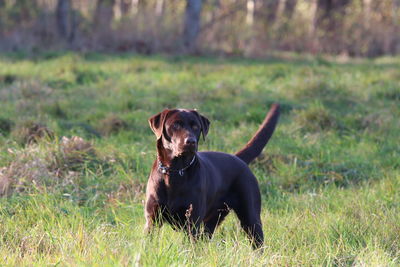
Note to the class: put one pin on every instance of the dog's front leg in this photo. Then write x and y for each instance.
(194, 219)
(152, 214)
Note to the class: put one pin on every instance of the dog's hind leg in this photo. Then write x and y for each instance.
(251, 224)
(248, 209)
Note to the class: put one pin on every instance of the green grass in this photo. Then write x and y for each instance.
(329, 178)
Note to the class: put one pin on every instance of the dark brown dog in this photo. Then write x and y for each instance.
(188, 188)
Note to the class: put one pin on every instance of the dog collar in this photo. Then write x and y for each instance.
(165, 170)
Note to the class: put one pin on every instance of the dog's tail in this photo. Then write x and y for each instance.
(256, 144)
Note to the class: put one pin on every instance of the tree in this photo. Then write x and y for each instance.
(63, 17)
(250, 12)
(2, 5)
(191, 23)
(272, 8)
(66, 20)
(160, 6)
(126, 7)
(330, 13)
(290, 6)
(104, 15)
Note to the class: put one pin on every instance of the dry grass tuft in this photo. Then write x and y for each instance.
(4, 182)
(76, 150)
(316, 119)
(70, 157)
(30, 132)
(132, 191)
(28, 170)
(112, 125)
(38, 166)
(378, 120)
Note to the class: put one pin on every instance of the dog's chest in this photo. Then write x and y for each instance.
(177, 208)
(179, 200)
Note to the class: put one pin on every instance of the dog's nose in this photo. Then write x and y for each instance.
(190, 141)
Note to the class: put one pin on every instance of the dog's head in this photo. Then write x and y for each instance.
(179, 130)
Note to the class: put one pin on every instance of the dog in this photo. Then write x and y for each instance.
(191, 189)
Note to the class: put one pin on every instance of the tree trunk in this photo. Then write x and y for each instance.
(272, 7)
(63, 16)
(328, 26)
(290, 6)
(395, 11)
(104, 15)
(135, 6)
(160, 8)
(366, 12)
(250, 12)
(330, 13)
(2, 4)
(191, 23)
(126, 7)
(74, 21)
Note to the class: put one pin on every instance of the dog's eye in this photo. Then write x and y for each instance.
(195, 127)
(177, 125)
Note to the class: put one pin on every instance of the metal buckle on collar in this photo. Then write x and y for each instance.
(162, 168)
(166, 170)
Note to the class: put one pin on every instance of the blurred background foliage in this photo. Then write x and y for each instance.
(230, 27)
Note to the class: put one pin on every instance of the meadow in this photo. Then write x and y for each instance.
(76, 150)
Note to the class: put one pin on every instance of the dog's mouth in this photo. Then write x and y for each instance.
(187, 150)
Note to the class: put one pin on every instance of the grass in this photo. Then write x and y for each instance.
(329, 177)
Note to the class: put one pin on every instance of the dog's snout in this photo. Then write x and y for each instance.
(190, 141)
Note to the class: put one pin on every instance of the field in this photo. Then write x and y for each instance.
(76, 151)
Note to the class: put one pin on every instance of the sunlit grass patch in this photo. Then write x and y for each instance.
(329, 176)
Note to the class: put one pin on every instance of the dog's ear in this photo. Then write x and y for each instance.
(204, 122)
(157, 121)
